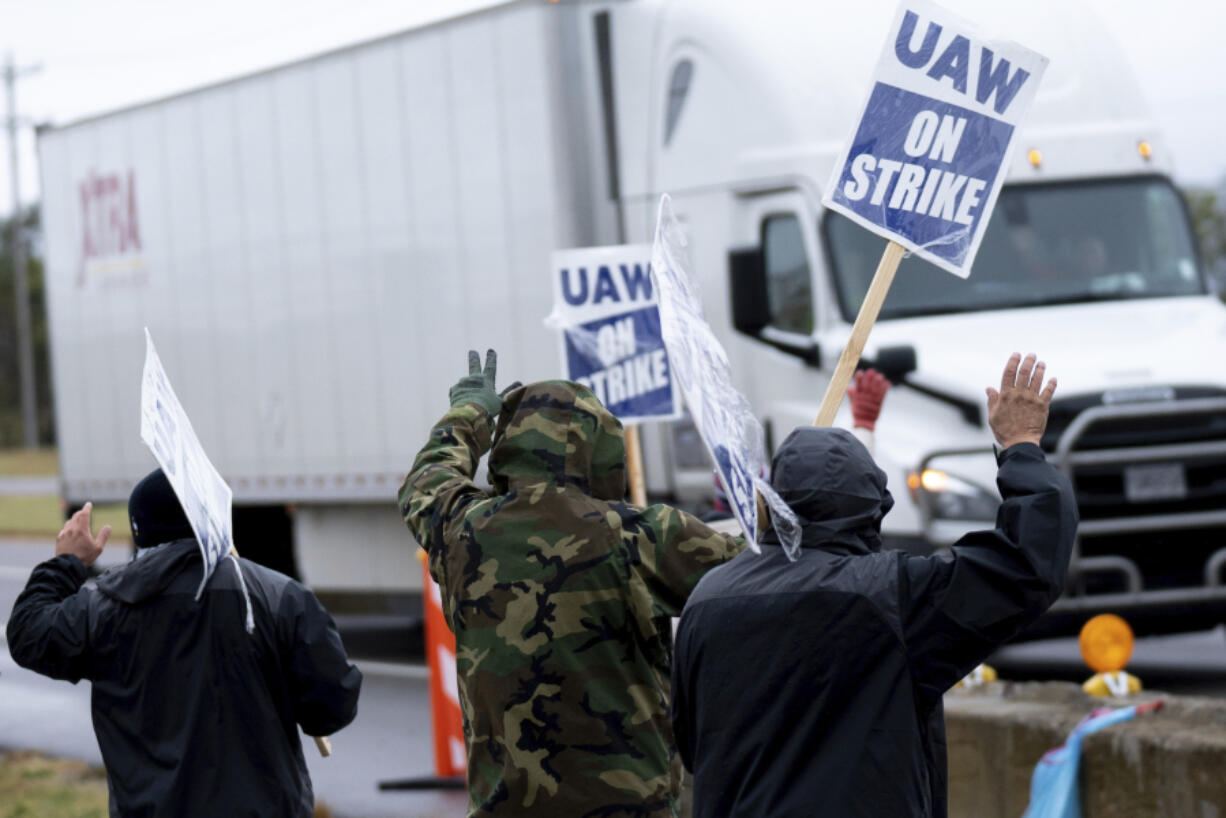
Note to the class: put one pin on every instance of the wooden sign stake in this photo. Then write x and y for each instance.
(873, 300)
(325, 746)
(634, 465)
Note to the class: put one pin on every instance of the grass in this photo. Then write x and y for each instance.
(29, 462)
(44, 517)
(34, 786)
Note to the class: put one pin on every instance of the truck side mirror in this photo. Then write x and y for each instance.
(895, 362)
(747, 289)
(751, 313)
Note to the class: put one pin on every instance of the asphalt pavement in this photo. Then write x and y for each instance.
(29, 486)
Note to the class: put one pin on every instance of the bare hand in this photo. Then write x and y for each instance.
(76, 538)
(1018, 412)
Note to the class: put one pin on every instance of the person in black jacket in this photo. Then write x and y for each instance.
(194, 715)
(814, 688)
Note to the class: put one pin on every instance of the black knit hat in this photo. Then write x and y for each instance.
(155, 513)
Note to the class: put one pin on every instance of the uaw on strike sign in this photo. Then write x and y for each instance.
(606, 306)
(932, 146)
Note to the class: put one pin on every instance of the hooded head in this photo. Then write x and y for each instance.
(830, 480)
(557, 432)
(155, 513)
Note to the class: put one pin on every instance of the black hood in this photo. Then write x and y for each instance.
(149, 574)
(830, 480)
(155, 514)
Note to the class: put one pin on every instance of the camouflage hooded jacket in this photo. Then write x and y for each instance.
(559, 594)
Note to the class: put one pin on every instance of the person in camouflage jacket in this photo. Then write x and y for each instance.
(560, 596)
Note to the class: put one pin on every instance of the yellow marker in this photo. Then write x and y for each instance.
(1112, 684)
(981, 674)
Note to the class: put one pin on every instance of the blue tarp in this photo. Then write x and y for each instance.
(1054, 789)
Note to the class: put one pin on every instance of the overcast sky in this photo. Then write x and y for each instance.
(97, 55)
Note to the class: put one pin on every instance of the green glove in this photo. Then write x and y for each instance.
(478, 385)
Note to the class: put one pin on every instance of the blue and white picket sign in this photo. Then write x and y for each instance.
(931, 148)
(203, 494)
(722, 415)
(606, 306)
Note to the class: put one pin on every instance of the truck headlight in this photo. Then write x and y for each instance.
(946, 497)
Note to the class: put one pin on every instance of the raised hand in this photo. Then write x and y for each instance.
(1018, 412)
(76, 537)
(865, 396)
(477, 387)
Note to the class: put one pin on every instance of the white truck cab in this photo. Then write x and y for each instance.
(1089, 260)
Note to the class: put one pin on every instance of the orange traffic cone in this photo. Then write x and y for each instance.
(449, 756)
(450, 759)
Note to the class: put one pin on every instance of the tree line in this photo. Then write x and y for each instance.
(10, 382)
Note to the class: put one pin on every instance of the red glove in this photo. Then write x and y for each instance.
(866, 394)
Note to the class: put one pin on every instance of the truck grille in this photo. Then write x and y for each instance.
(1101, 492)
(1111, 433)
(1166, 559)
(1150, 480)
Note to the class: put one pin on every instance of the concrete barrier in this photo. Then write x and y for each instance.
(1169, 763)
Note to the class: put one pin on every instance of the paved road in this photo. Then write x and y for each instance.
(390, 738)
(29, 486)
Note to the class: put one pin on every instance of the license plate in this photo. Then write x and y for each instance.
(1151, 484)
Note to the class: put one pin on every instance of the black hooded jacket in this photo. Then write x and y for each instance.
(814, 688)
(194, 716)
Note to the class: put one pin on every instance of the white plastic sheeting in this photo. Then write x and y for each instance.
(204, 495)
(722, 415)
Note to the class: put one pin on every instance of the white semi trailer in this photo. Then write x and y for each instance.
(314, 248)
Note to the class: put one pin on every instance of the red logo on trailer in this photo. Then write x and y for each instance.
(110, 229)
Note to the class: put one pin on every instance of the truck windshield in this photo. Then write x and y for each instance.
(1046, 244)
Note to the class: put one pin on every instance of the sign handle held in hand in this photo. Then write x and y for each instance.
(873, 300)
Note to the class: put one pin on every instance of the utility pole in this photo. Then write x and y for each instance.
(21, 284)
